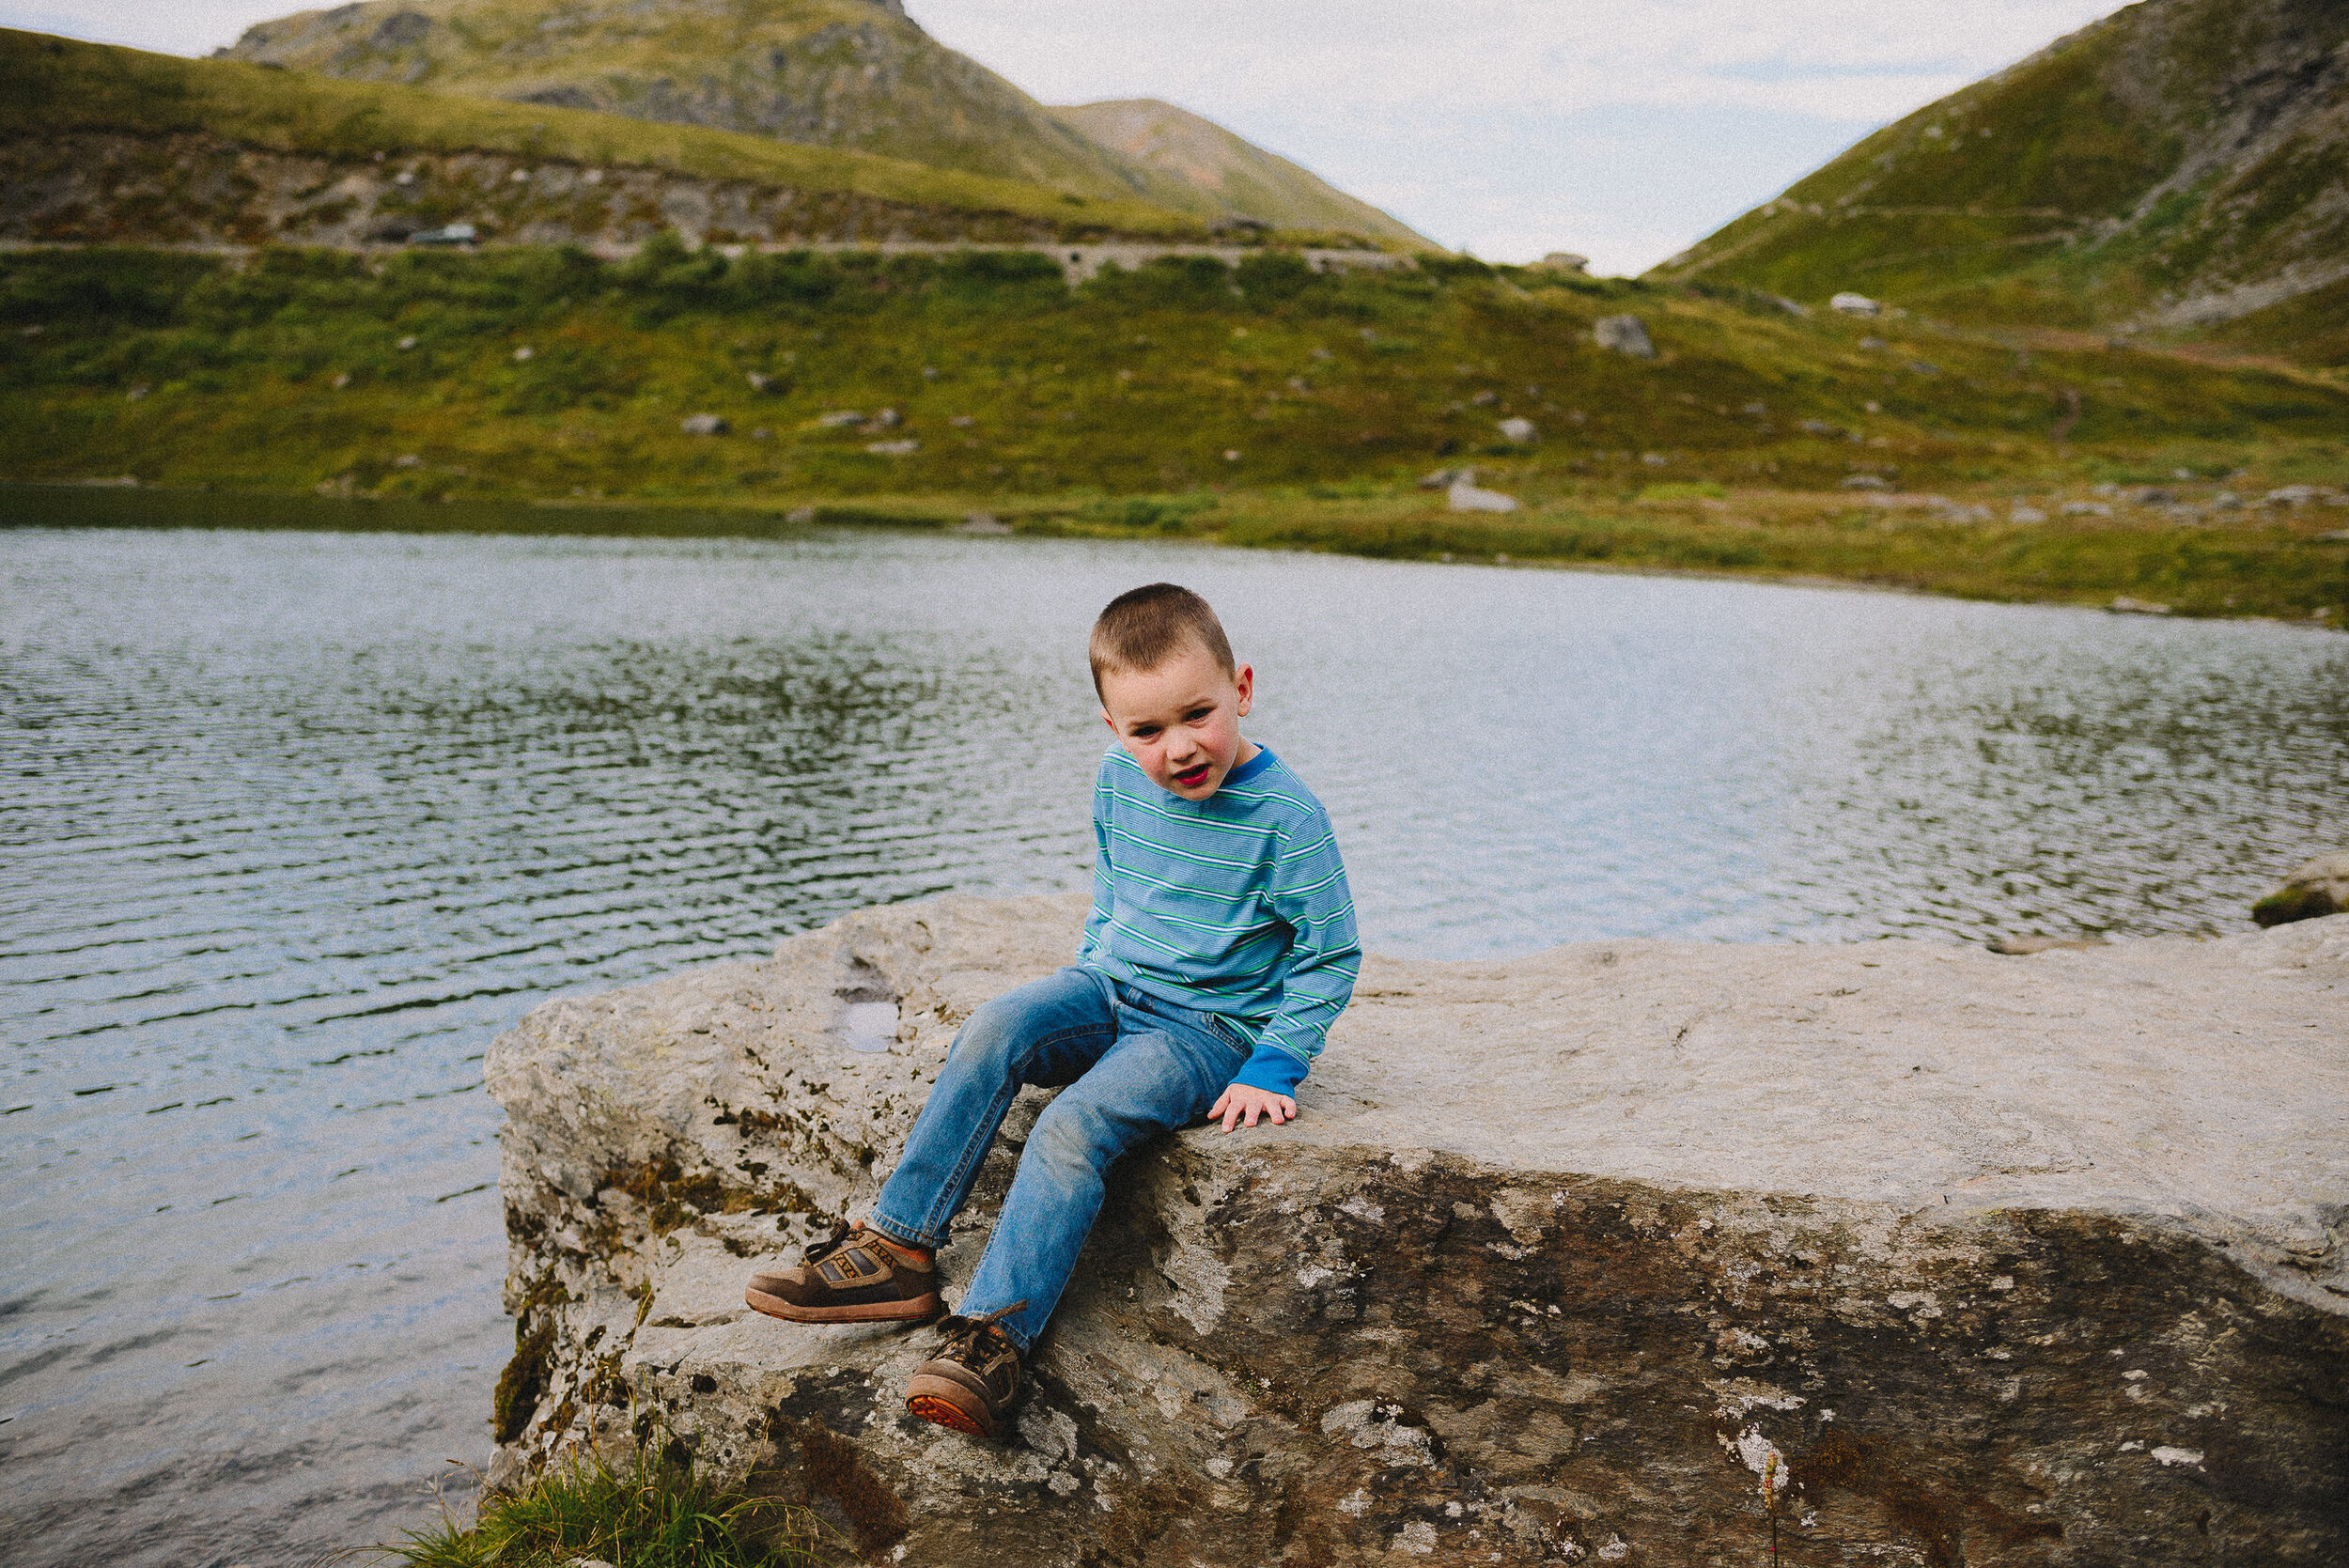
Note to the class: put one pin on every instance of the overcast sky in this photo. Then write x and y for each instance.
(1621, 129)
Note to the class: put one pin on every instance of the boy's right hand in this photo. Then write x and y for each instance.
(1247, 1100)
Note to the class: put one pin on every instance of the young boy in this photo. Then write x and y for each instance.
(1219, 949)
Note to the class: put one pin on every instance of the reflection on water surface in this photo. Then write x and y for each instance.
(296, 822)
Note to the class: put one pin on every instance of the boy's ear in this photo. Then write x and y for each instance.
(1111, 722)
(1244, 682)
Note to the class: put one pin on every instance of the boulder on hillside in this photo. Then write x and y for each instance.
(1463, 496)
(705, 425)
(1855, 305)
(2318, 889)
(1637, 1252)
(1518, 430)
(1625, 334)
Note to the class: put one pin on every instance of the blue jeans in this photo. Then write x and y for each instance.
(1134, 1065)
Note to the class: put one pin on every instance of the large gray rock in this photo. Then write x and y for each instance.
(1628, 1252)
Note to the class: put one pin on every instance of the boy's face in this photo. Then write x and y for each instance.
(1181, 721)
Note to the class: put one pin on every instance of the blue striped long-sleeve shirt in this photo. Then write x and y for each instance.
(1234, 905)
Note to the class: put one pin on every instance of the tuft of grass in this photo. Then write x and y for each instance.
(643, 1511)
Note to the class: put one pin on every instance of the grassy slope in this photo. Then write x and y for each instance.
(1112, 408)
(52, 84)
(1240, 175)
(2018, 198)
(840, 73)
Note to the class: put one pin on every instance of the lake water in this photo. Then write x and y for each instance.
(294, 823)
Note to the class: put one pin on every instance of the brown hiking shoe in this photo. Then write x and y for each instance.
(853, 1278)
(969, 1385)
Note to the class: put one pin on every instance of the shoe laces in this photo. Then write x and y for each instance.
(825, 1248)
(965, 1335)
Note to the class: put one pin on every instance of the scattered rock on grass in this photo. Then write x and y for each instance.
(1519, 430)
(892, 448)
(1625, 334)
(1465, 497)
(705, 425)
(1855, 305)
(2127, 606)
(1867, 482)
(2318, 889)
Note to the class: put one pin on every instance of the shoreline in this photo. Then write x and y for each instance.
(110, 503)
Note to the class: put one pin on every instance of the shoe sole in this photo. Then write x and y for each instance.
(949, 1405)
(921, 1309)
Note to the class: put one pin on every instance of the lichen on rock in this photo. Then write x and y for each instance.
(1624, 1253)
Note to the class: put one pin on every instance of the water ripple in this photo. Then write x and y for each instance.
(296, 823)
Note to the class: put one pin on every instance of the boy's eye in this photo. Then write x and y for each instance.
(1196, 714)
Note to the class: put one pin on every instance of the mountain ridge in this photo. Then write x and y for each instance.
(102, 144)
(2178, 167)
(850, 74)
(1249, 179)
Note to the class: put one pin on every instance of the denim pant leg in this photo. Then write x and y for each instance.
(1161, 1075)
(1048, 1031)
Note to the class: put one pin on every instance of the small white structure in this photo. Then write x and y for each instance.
(1855, 305)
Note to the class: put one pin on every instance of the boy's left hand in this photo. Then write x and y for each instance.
(1247, 1100)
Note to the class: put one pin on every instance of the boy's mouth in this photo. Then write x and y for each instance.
(1195, 777)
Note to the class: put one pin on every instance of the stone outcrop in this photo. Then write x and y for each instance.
(1625, 334)
(2318, 889)
(1634, 1252)
(103, 187)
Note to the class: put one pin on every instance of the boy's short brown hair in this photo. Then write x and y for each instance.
(1142, 628)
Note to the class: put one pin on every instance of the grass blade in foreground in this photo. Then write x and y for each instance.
(638, 1513)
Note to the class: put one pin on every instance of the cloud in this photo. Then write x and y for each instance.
(1877, 58)
(1624, 129)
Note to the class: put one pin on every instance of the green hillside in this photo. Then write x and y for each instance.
(1269, 404)
(2180, 165)
(52, 89)
(837, 74)
(1241, 176)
